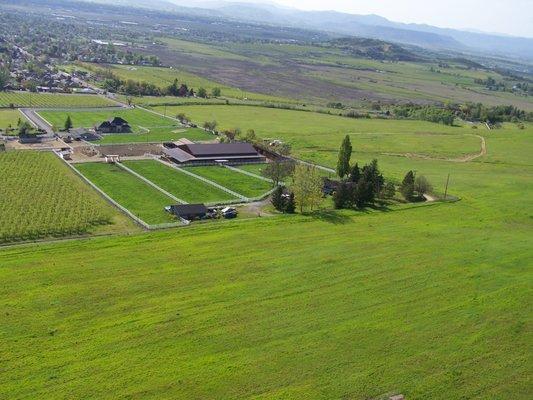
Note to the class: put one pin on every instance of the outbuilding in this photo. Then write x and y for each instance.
(188, 211)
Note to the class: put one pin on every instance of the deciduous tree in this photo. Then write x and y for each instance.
(307, 187)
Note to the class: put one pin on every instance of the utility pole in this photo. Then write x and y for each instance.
(446, 190)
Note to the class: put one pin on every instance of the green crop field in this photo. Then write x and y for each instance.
(146, 126)
(138, 197)
(431, 301)
(27, 99)
(243, 184)
(40, 197)
(182, 186)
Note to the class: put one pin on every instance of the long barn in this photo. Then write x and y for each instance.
(212, 153)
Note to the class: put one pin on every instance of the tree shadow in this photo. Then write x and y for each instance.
(331, 216)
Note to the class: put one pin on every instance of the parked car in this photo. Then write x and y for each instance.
(229, 212)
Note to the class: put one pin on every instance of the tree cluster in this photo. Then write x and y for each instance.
(285, 203)
(425, 113)
(414, 189)
(362, 187)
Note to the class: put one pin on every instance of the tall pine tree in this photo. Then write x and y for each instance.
(345, 153)
(408, 185)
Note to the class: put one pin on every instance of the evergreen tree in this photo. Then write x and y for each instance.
(277, 199)
(407, 187)
(363, 193)
(389, 190)
(68, 123)
(290, 204)
(341, 197)
(173, 88)
(355, 173)
(345, 153)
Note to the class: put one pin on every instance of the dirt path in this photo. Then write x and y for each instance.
(465, 158)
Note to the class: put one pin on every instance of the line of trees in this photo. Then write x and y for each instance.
(476, 112)
(113, 83)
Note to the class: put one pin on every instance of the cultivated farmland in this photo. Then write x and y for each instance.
(49, 100)
(138, 197)
(146, 126)
(40, 197)
(182, 186)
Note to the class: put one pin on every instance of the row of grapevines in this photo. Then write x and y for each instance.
(40, 197)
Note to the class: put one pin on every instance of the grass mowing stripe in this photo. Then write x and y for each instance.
(180, 185)
(137, 196)
(243, 184)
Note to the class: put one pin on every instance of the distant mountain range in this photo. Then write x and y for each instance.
(369, 26)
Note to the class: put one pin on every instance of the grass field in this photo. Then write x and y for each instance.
(182, 186)
(146, 126)
(41, 197)
(138, 197)
(243, 184)
(317, 137)
(10, 118)
(27, 99)
(430, 301)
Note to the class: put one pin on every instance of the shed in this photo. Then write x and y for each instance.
(189, 211)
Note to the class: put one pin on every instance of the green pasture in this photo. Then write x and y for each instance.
(318, 136)
(28, 99)
(146, 126)
(243, 184)
(182, 186)
(430, 301)
(138, 197)
(10, 118)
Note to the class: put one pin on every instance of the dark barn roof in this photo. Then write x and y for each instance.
(192, 152)
(219, 149)
(187, 210)
(117, 121)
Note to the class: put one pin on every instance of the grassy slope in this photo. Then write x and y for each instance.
(432, 301)
(370, 79)
(240, 183)
(141, 199)
(180, 185)
(163, 77)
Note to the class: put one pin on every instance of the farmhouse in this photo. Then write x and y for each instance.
(212, 153)
(114, 125)
(189, 211)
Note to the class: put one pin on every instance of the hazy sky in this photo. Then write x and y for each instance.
(513, 17)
